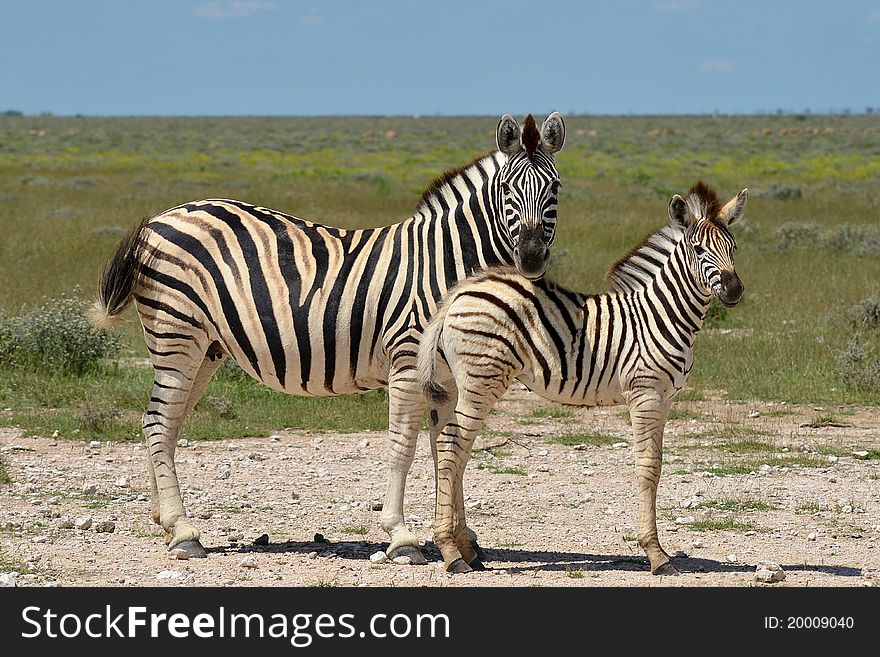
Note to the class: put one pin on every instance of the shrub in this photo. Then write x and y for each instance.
(55, 337)
(96, 420)
(866, 314)
(859, 366)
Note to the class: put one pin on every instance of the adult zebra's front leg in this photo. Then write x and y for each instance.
(406, 406)
(648, 413)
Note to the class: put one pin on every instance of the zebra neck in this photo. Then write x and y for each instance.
(676, 290)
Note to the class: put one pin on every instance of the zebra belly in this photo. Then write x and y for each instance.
(567, 392)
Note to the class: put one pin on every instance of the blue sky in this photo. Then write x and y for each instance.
(399, 57)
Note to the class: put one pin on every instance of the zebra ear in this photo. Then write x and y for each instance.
(553, 133)
(735, 208)
(679, 215)
(507, 135)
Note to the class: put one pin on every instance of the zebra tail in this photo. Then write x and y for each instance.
(118, 278)
(427, 360)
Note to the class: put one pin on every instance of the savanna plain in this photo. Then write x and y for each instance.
(772, 452)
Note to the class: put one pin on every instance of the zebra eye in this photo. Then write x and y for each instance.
(699, 250)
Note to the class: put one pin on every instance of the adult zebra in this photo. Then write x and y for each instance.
(633, 345)
(313, 310)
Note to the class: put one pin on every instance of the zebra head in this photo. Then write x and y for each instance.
(710, 243)
(527, 189)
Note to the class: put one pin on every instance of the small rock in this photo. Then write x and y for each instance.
(754, 414)
(769, 572)
(7, 579)
(294, 495)
(205, 515)
(765, 468)
(89, 489)
(543, 452)
(476, 504)
(364, 443)
(831, 458)
(847, 508)
(64, 523)
(234, 537)
(224, 474)
(860, 454)
(170, 574)
(751, 532)
(123, 482)
(83, 522)
(812, 536)
(105, 527)
(376, 506)
(856, 535)
(731, 558)
(262, 539)
(684, 520)
(178, 553)
(41, 539)
(543, 468)
(697, 544)
(379, 557)
(620, 445)
(402, 561)
(55, 433)
(183, 442)
(319, 538)
(95, 444)
(250, 561)
(312, 555)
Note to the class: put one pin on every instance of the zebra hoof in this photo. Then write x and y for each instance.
(665, 569)
(458, 566)
(416, 558)
(477, 564)
(193, 548)
(481, 555)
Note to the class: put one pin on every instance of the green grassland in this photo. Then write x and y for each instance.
(809, 248)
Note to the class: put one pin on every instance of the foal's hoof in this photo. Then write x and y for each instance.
(481, 555)
(416, 558)
(193, 548)
(458, 566)
(665, 569)
(477, 564)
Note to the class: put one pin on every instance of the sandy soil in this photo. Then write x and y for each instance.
(547, 514)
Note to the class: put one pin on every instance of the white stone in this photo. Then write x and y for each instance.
(754, 414)
(105, 527)
(41, 539)
(95, 444)
(831, 458)
(684, 520)
(8, 579)
(64, 523)
(364, 443)
(751, 532)
(379, 557)
(543, 452)
(731, 558)
(697, 544)
(250, 561)
(765, 468)
(83, 522)
(402, 561)
(474, 504)
(170, 574)
(811, 536)
(123, 482)
(769, 572)
(55, 433)
(312, 555)
(620, 445)
(89, 489)
(183, 442)
(860, 454)
(543, 468)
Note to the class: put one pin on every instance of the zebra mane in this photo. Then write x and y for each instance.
(638, 268)
(703, 202)
(447, 177)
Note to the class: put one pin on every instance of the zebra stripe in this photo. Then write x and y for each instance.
(309, 309)
(632, 345)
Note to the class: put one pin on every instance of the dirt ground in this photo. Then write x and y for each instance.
(547, 514)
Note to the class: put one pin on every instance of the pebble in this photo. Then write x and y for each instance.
(831, 458)
(64, 523)
(751, 532)
(697, 544)
(83, 522)
(105, 527)
(205, 515)
(123, 482)
(170, 574)
(543, 468)
(224, 474)
(95, 444)
(765, 469)
(89, 489)
(376, 506)
(294, 495)
(543, 452)
(811, 536)
(402, 561)
(178, 553)
(250, 561)
(312, 555)
(620, 445)
(262, 539)
(731, 558)
(235, 537)
(183, 442)
(476, 504)
(379, 557)
(7, 579)
(55, 433)
(41, 539)
(684, 520)
(754, 414)
(860, 454)
(364, 443)
(769, 572)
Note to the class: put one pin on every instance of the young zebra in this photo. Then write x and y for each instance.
(632, 345)
(314, 310)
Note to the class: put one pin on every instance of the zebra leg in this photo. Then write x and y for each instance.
(405, 410)
(648, 413)
(173, 387)
(213, 360)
